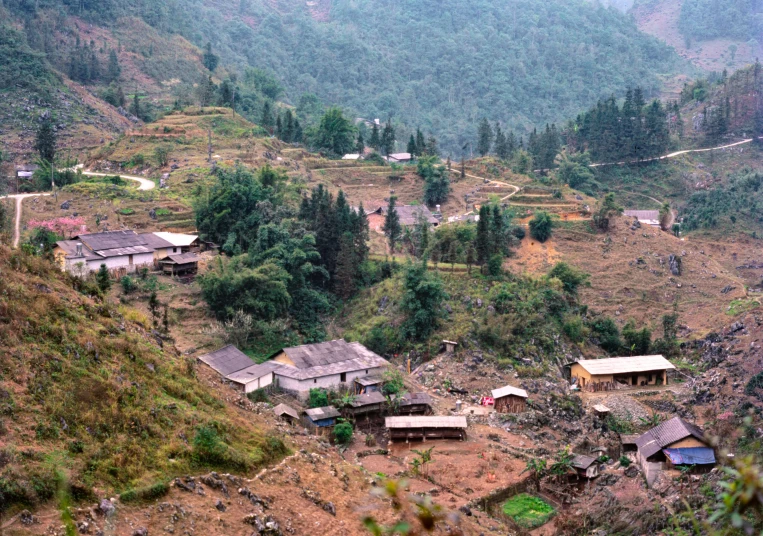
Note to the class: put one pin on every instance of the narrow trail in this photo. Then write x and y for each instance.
(143, 184)
(500, 183)
(675, 154)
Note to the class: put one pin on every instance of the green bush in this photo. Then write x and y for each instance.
(625, 461)
(128, 284)
(574, 328)
(148, 493)
(126, 211)
(495, 266)
(258, 395)
(540, 226)
(343, 433)
(318, 398)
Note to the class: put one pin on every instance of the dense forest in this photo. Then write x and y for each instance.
(711, 19)
(423, 63)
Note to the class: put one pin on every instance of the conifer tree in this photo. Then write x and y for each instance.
(288, 132)
(483, 235)
(346, 267)
(392, 228)
(209, 59)
(266, 118)
(297, 132)
(103, 279)
(375, 141)
(360, 145)
(279, 126)
(421, 145)
(412, 149)
(501, 144)
(431, 147)
(114, 70)
(45, 139)
(484, 137)
(388, 138)
(497, 232)
(360, 234)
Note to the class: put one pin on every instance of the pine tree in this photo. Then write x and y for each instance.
(392, 228)
(135, 109)
(501, 144)
(484, 138)
(114, 70)
(209, 59)
(103, 279)
(279, 126)
(421, 145)
(45, 139)
(361, 235)
(288, 133)
(432, 149)
(360, 145)
(483, 235)
(375, 141)
(266, 119)
(412, 149)
(205, 91)
(388, 138)
(153, 307)
(297, 132)
(346, 267)
(95, 66)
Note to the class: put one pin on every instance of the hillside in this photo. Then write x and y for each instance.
(442, 77)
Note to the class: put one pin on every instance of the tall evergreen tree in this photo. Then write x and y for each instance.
(361, 235)
(421, 145)
(288, 128)
(432, 149)
(412, 149)
(45, 139)
(484, 137)
(375, 141)
(209, 59)
(346, 267)
(279, 126)
(360, 145)
(483, 236)
(205, 91)
(113, 70)
(388, 138)
(497, 232)
(297, 132)
(501, 144)
(266, 118)
(392, 228)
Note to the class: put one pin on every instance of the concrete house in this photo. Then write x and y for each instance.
(124, 251)
(608, 374)
(328, 365)
(510, 399)
(235, 366)
(673, 443)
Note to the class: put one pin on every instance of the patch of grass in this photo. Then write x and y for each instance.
(145, 494)
(737, 307)
(126, 211)
(528, 511)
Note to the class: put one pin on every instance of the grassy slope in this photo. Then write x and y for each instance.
(85, 389)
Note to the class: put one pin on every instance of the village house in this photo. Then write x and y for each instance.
(180, 264)
(286, 413)
(324, 417)
(509, 399)
(325, 365)
(412, 428)
(585, 466)
(673, 443)
(25, 172)
(645, 217)
(411, 214)
(123, 251)
(398, 158)
(368, 406)
(612, 373)
(414, 404)
(166, 244)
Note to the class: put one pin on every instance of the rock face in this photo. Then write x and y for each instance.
(107, 507)
(675, 264)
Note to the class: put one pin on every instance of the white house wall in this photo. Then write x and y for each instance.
(113, 263)
(302, 388)
(259, 383)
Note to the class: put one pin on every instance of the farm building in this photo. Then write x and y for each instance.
(423, 428)
(410, 215)
(324, 417)
(235, 366)
(368, 384)
(286, 413)
(367, 406)
(414, 404)
(166, 244)
(607, 374)
(673, 443)
(585, 466)
(510, 399)
(328, 365)
(645, 217)
(180, 264)
(122, 251)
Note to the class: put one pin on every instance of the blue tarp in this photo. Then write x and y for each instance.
(690, 456)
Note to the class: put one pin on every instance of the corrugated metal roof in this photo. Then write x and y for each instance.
(253, 372)
(177, 239)
(329, 358)
(628, 439)
(509, 390)
(155, 242)
(183, 258)
(365, 381)
(283, 409)
(625, 365)
(666, 434)
(227, 360)
(411, 399)
(409, 214)
(690, 456)
(581, 461)
(601, 408)
(426, 422)
(70, 248)
(318, 414)
(324, 353)
(368, 399)
(109, 240)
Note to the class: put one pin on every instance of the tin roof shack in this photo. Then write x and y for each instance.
(413, 404)
(673, 443)
(617, 372)
(368, 407)
(368, 384)
(324, 418)
(236, 367)
(326, 365)
(628, 442)
(585, 466)
(509, 399)
(286, 413)
(410, 214)
(184, 264)
(423, 428)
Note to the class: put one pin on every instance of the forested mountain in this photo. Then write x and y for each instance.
(710, 19)
(441, 65)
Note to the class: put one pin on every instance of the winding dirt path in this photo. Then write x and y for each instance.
(144, 184)
(677, 153)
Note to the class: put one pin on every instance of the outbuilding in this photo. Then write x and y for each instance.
(236, 367)
(414, 404)
(181, 264)
(324, 417)
(509, 399)
(367, 406)
(423, 428)
(618, 372)
(585, 466)
(368, 384)
(286, 413)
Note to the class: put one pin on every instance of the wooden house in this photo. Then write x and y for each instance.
(423, 428)
(414, 404)
(324, 417)
(510, 399)
(368, 384)
(286, 413)
(618, 372)
(585, 466)
(181, 264)
(368, 406)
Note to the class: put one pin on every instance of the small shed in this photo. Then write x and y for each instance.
(628, 441)
(585, 466)
(286, 413)
(510, 399)
(26, 172)
(183, 264)
(414, 404)
(450, 346)
(423, 428)
(324, 417)
(367, 405)
(368, 384)
(601, 411)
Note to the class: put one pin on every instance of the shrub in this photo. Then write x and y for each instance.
(570, 277)
(208, 447)
(540, 226)
(495, 266)
(574, 328)
(528, 511)
(128, 284)
(605, 330)
(393, 382)
(343, 433)
(519, 232)
(162, 155)
(148, 493)
(258, 395)
(625, 461)
(318, 398)
(126, 211)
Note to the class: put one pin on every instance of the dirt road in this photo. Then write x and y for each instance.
(677, 153)
(17, 219)
(145, 184)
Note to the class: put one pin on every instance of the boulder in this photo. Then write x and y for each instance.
(631, 471)
(107, 507)
(675, 264)
(220, 506)
(142, 531)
